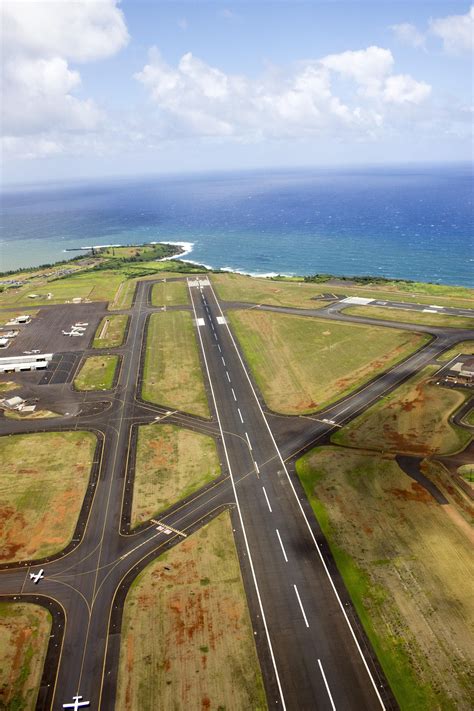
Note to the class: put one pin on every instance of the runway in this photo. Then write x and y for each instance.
(312, 650)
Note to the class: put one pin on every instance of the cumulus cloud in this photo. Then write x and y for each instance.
(39, 102)
(456, 31)
(194, 98)
(408, 34)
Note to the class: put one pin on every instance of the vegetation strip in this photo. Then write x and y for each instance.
(170, 293)
(172, 373)
(302, 364)
(187, 638)
(407, 316)
(44, 480)
(394, 548)
(111, 331)
(97, 373)
(171, 463)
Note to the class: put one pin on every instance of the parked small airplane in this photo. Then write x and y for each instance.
(36, 577)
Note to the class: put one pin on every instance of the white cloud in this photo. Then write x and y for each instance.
(408, 34)
(39, 105)
(456, 31)
(183, 24)
(196, 99)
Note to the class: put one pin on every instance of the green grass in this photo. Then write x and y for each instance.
(414, 418)
(236, 287)
(24, 637)
(96, 373)
(469, 418)
(44, 478)
(112, 329)
(171, 463)
(173, 375)
(302, 364)
(187, 640)
(390, 540)
(170, 293)
(406, 316)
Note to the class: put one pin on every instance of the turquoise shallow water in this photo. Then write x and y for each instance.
(414, 223)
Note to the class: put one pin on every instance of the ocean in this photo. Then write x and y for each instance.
(403, 222)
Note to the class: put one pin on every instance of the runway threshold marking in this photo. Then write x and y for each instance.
(266, 498)
(244, 532)
(301, 605)
(333, 705)
(282, 546)
(248, 441)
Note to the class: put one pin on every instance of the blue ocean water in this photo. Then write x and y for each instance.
(405, 222)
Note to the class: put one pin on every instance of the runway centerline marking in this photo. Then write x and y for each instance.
(301, 605)
(333, 705)
(248, 441)
(282, 546)
(223, 361)
(266, 498)
(240, 415)
(228, 376)
(235, 396)
(256, 466)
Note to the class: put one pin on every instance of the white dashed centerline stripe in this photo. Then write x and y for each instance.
(220, 351)
(240, 415)
(281, 544)
(266, 498)
(244, 532)
(323, 562)
(223, 361)
(256, 467)
(248, 441)
(228, 376)
(333, 705)
(233, 393)
(301, 605)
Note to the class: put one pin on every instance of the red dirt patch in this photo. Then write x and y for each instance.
(415, 493)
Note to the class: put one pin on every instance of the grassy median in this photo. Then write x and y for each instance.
(187, 639)
(170, 293)
(302, 364)
(407, 316)
(173, 375)
(111, 331)
(44, 479)
(24, 637)
(465, 347)
(96, 373)
(171, 463)
(414, 419)
(403, 560)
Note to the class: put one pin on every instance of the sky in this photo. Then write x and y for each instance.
(95, 88)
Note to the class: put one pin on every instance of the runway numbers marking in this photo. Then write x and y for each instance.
(301, 605)
(233, 393)
(240, 415)
(333, 705)
(281, 544)
(77, 703)
(248, 441)
(266, 498)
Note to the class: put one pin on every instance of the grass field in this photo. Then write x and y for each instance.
(469, 418)
(111, 332)
(187, 639)
(24, 637)
(236, 287)
(96, 373)
(403, 560)
(92, 285)
(170, 293)
(466, 347)
(173, 375)
(302, 364)
(405, 316)
(171, 463)
(414, 418)
(44, 479)
(7, 385)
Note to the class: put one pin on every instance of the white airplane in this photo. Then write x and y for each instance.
(35, 351)
(77, 703)
(36, 577)
(82, 323)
